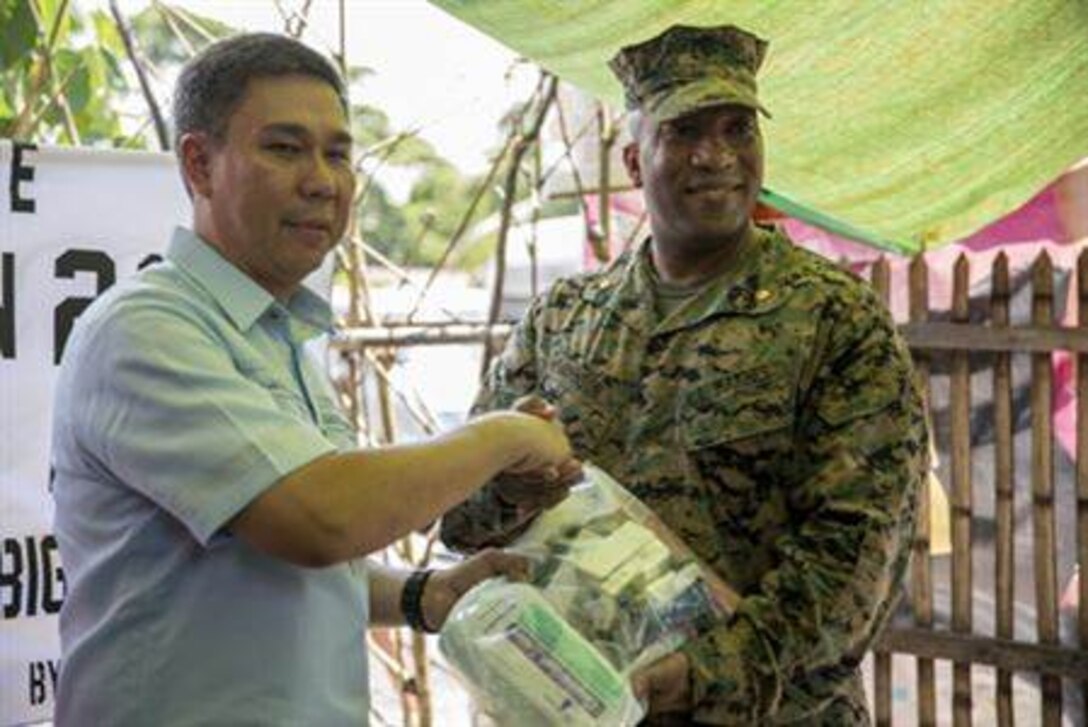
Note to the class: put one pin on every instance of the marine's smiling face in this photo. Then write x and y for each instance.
(700, 173)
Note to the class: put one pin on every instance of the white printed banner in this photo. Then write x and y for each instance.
(72, 221)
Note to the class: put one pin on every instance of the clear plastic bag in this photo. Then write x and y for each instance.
(612, 590)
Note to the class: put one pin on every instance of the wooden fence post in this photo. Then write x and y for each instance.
(882, 659)
(1042, 476)
(1004, 505)
(921, 567)
(961, 496)
(1082, 465)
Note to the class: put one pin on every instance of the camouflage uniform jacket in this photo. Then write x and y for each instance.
(774, 423)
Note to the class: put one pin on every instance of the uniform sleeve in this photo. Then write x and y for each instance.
(483, 519)
(861, 458)
(166, 410)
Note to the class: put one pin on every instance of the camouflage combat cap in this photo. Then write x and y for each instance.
(686, 68)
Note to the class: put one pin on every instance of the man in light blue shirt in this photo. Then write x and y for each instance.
(212, 511)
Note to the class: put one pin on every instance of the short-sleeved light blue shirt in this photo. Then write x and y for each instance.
(184, 393)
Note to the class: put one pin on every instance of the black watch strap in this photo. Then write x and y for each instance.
(411, 600)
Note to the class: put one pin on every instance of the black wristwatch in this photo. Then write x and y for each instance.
(411, 600)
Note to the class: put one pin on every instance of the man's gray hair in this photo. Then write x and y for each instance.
(213, 82)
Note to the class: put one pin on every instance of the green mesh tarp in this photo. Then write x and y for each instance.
(911, 122)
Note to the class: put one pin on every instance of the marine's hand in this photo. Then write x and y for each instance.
(538, 406)
(665, 685)
(540, 489)
(444, 587)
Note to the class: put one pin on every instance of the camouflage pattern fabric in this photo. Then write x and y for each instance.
(687, 68)
(774, 423)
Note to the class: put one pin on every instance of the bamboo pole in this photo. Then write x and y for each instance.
(466, 220)
(524, 143)
(593, 235)
(414, 692)
(607, 133)
(1004, 507)
(26, 121)
(938, 336)
(349, 258)
(1082, 466)
(423, 334)
(388, 651)
(421, 415)
(535, 185)
(1042, 475)
(1018, 656)
(60, 93)
(882, 659)
(188, 18)
(921, 565)
(961, 497)
(141, 77)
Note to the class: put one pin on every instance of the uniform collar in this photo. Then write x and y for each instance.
(754, 287)
(242, 300)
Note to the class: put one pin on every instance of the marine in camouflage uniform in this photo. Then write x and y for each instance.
(771, 419)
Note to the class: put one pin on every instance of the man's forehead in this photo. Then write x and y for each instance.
(292, 104)
(337, 135)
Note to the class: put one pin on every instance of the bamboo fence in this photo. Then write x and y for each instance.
(996, 341)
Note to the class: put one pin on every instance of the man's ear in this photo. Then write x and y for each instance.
(194, 155)
(633, 164)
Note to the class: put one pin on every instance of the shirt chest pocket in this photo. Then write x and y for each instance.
(292, 402)
(287, 398)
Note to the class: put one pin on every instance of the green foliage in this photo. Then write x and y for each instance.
(61, 76)
(478, 252)
(65, 78)
(418, 231)
(64, 75)
(382, 223)
(18, 33)
(168, 34)
(54, 18)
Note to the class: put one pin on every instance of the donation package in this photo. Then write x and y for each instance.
(612, 590)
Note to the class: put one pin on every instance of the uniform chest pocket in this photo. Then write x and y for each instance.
(737, 430)
(589, 403)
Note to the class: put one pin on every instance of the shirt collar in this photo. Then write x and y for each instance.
(241, 298)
